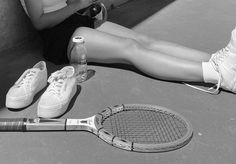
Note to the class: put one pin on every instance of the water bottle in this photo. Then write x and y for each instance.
(78, 53)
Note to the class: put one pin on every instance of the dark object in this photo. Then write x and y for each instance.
(97, 12)
(91, 11)
(55, 40)
(94, 9)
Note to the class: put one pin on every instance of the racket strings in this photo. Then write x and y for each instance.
(175, 122)
(145, 126)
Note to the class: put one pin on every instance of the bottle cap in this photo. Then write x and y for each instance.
(78, 39)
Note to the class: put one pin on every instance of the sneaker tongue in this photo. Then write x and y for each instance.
(69, 71)
(35, 69)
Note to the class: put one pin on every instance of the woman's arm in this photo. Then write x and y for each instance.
(47, 20)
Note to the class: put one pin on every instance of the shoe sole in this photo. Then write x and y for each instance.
(17, 104)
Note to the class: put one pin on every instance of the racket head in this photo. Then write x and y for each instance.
(143, 128)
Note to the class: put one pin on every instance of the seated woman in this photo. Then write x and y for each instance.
(57, 22)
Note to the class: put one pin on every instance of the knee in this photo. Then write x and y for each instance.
(82, 31)
(131, 45)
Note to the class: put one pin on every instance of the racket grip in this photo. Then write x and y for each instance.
(13, 124)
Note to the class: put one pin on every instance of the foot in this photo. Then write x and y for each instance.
(224, 62)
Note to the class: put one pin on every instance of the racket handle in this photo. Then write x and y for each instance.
(13, 124)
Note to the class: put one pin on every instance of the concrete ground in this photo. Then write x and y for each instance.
(204, 25)
(133, 12)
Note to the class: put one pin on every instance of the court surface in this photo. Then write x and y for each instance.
(201, 24)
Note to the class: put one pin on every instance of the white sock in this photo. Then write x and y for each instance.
(210, 75)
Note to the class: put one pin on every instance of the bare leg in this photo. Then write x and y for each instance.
(150, 43)
(107, 48)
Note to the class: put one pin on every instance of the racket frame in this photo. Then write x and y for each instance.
(138, 147)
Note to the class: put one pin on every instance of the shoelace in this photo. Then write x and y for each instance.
(215, 88)
(56, 81)
(27, 78)
(218, 58)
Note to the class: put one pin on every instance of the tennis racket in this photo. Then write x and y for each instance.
(133, 127)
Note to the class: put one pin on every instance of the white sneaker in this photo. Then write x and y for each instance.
(33, 80)
(224, 62)
(55, 100)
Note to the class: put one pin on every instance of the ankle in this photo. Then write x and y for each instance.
(210, 75)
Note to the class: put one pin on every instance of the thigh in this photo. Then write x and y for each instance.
(122, 31)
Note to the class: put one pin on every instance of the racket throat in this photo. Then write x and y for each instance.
(87, 124)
